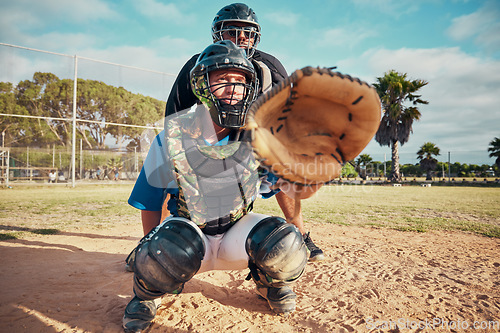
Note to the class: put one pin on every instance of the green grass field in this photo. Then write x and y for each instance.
(45, 210)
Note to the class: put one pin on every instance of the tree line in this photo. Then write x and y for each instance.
(365, 167)
(97, 103)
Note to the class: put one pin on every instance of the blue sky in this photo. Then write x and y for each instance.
(453, 44)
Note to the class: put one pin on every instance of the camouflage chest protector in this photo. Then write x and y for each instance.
(217, 184)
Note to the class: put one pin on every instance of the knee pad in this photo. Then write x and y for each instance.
(167, 259)
(277, 252)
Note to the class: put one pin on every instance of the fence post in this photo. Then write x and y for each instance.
(73, 148)
(136, 161)
(81, 160)
(8, 171)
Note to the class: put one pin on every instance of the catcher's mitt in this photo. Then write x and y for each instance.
(310, 124)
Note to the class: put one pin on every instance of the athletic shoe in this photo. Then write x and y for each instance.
(315, 253)
(139, 314)
(281, 300)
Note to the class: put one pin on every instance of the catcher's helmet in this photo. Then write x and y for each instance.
(224, 55)
(237, 13)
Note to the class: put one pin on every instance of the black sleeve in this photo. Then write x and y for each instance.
(278, 71)
(181, 96)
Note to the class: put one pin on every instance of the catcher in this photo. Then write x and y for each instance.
(205, 161)
(238, 22)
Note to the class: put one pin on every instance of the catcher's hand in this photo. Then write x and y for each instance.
(310, 124)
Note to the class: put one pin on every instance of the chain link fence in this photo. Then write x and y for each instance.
(25, 164)
(75, 162)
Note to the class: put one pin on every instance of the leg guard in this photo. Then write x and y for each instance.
(277, 252)
(167, 259)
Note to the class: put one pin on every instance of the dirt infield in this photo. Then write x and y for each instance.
(372, 280)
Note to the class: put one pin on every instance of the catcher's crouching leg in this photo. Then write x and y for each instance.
(164, 261)
(168, 259)
(278, 257)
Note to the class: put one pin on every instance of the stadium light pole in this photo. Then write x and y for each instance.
(73, 148)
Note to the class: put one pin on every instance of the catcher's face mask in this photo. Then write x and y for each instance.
(224, 80)
(230, 97)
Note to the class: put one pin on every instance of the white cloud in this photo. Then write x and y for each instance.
(142, 69)
(483, 26)
(30, 23)
(345, 37)
(283, 18)
(182, 47)
(68, 42)
(394, 8)
(81, 11)
(463, 111)
(34, 14)
(158, 10)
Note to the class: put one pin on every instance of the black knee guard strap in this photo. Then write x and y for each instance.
(277, 249)
(168, 259)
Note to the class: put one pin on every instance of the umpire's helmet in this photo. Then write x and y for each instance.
(237, 13)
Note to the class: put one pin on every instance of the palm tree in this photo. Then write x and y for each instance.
(363, 160)
(425, 155)
(395, 127)
(494, 150)
(113, 167)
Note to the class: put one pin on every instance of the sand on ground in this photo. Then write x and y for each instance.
(371, 280)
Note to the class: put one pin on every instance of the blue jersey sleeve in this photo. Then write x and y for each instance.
(156, 174)
(144, 196)
(268, 180)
